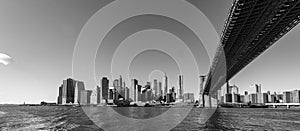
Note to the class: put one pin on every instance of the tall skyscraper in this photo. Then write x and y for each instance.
(120, 82)
(126, 93)
(296, 96)
(160, 93)
(116, 83)
(104, 88)
(98, 94)
(138, 93)
(67, 92)
(64, 92)
(123, 88)
(118, 87)
(79, 86)
(59, 98)
(180, 91)
(70, 90)
(155, 88)
(132, 91)
(165, 84)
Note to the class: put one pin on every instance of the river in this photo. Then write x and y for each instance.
(74, 118)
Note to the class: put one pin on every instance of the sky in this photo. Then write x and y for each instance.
(40, 36)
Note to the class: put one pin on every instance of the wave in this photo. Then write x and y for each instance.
(2, 113)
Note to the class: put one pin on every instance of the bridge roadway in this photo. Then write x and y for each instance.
(251, 28)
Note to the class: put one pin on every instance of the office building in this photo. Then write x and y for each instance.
(59, 98)
(132, 91)
(121, 82)
(253, 98)
(64, 92)
(98, 94)
(246, 98)
(228, 98)
(112, 93)
(279, 98)
(257, 88)
(273, 99)
(180, 91)
(71, 90)
(155, 87)
(160, 93)
(104, 88)
(233, 89)
(287, 97)
(67, 91)
(242, 99)
(188, 97)
(262, 98)
(165, 84)
(296, 96)
(79, 87)
(126, 93)
(85, 97)
(138, 93)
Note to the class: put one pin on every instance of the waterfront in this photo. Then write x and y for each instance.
(73, 118)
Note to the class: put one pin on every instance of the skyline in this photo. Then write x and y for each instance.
(42, 49)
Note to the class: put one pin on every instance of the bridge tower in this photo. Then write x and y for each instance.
(201, 96)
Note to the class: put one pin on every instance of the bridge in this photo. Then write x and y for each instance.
(251, 28)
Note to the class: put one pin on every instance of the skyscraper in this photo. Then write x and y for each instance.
(287, 97)
(132, 91)
(117, 87)
(296, 96)
(85, 97)
(180, 91)
(59, 98)
(104, 88)
(138, 93)
(256, 87)
(70, 90)
(155, 88)
(160, 89)
(126, 93)
(120, 82)
(165, 84)
(67, 92)
(79, 86)
(98, 93)
(123, 90)
(233, 89)
(188, 97)
(64, 92)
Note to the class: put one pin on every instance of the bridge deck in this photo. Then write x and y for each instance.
(251, 28)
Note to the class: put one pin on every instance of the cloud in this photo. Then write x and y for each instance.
(5, 59)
